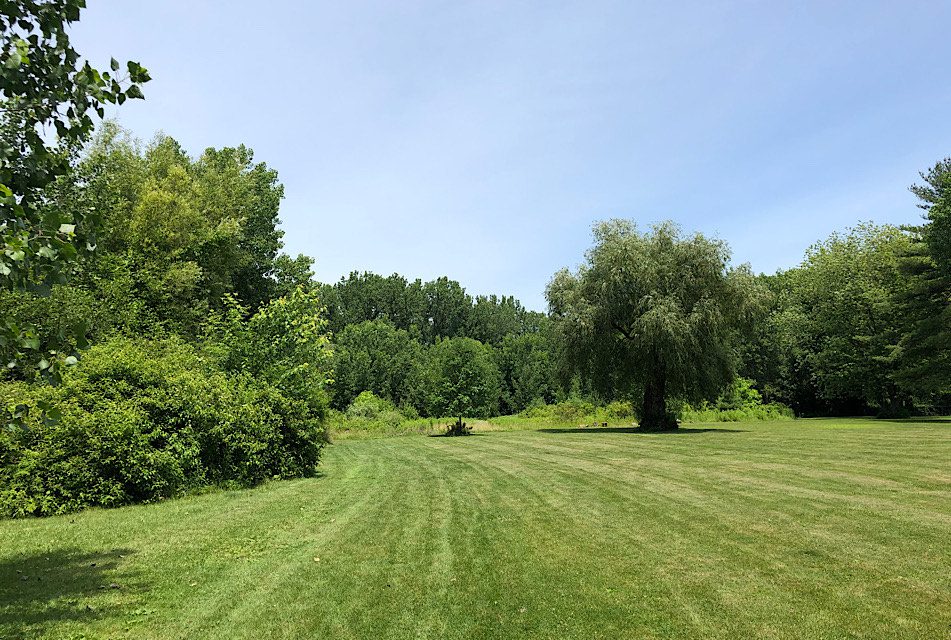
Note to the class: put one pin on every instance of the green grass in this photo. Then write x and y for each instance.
(806, 529)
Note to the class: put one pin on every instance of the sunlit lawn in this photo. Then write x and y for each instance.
(806, 529)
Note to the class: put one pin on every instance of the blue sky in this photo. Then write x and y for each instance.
(480, 140)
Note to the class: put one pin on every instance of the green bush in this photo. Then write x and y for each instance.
(570, 410)
(145, 420)
(774, 411)
(368, 411)
(51, 328)
(409, 412)
(619, 410)
(739, 402)
(285, 343)
(741, 394)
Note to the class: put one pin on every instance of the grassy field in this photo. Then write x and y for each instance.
(807, 529)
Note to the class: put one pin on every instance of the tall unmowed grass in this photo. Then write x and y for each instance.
(370, 417)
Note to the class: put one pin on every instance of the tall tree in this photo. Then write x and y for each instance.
(492, 318)
(363, 296)
(923, 353)
(526, 364)
(447, 309)
(774, 352)
(845, 294)
(182, 233)
(465, 378)
(231, 183)
(652, 314)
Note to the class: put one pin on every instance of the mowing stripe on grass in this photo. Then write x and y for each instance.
(819, 529)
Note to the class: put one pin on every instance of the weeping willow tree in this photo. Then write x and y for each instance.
(652, 315)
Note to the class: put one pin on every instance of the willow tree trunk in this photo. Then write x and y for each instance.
(654, 414)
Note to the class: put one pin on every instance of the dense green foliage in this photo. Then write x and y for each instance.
(387, 336)
(219, 356)
(738, 403)
(181, 233)
(838, 318)
(465, 379)
(375, 356)
(863, 325)
(922, 357)
(527, 365)
(147, 419)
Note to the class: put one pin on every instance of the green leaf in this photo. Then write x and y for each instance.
(134, 92)
(114, 64)
(51, 416)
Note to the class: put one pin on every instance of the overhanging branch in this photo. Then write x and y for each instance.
(624, 332)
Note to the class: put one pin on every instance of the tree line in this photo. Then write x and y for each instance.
(863, 325)
(860, 327)
(395, 338)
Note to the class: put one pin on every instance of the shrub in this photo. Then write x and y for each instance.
(740, 395)
(369, 411)
(773, 411)
(409, 412)
(50, 328)
(285, 343)
(739, 402)
(619, 410)
(146, 420)
(458, 428)
(572, 409)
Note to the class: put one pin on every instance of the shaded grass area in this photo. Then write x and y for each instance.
(806, 529)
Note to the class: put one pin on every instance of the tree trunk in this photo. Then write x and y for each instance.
(655, 416)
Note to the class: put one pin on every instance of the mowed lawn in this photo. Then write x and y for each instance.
(807, 529)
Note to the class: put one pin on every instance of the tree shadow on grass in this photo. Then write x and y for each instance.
(671, 432)
(446, 435)
(40, 590)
